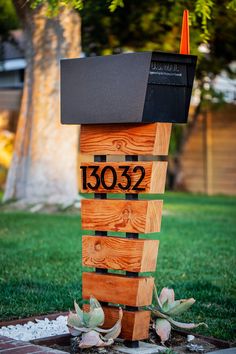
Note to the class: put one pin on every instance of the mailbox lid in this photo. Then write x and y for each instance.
(127, 88)
(169, 87)
(107, 89)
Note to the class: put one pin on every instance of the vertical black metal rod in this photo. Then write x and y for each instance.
(131, 197)
(100, 158)
(129, 343)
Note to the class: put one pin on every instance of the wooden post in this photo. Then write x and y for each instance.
(130, 91)
(130, 215)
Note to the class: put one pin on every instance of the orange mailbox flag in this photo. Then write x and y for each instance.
(185, 43)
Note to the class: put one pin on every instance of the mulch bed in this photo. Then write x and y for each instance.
(177, 343)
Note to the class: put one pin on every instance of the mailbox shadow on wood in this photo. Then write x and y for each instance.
(140, 87)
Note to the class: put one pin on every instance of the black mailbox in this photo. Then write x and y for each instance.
(127, 88)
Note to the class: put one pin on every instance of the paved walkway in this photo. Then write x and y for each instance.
(12, 346)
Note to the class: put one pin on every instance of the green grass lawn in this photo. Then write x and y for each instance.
(41, 260)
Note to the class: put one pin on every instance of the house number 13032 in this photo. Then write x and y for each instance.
(100, 177)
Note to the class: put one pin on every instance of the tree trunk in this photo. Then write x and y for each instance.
(44, 165)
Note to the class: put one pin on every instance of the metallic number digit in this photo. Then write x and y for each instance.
(84, 176)
(142, 169)
(94, 174)
(127, 176)
(114, 177)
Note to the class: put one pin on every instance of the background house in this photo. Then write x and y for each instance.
(12, 65)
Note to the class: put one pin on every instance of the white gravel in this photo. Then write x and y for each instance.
(38, 329)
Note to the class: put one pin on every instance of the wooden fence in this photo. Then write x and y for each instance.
(208, 161)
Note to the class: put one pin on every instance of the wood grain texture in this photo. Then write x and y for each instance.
(140, 216)
(119, 253)
(118, 289)
(125, 139)
(135, 324)
(153, 181)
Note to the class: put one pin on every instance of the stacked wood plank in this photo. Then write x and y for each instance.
(129, 255)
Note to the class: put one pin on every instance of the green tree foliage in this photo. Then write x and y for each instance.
(8, 21)
(8, 18)
(54, 5)
(114, 26)
(202, 11)
(156, 25)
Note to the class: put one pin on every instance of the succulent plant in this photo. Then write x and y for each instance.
(166, 308)
(85, 325)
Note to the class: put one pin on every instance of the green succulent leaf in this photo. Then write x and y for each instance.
(168, 307)
(163, 329)
(156, 296)
(90, 339)
(74, 332)
(75, 325)
(186, 325)
(158, 313)
(165, 306)
(96, 314)
(94, 303)
(78, 311)
(180, 306)
(74, 321)
(86, 318)
(93, 339)
(96, 318)
(116, 329)
(167, 297)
